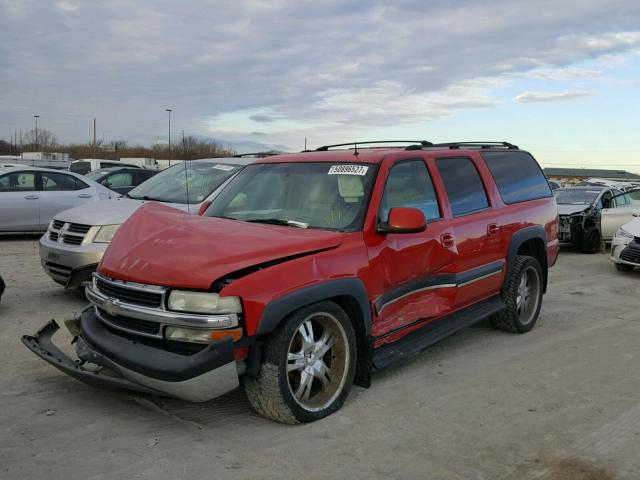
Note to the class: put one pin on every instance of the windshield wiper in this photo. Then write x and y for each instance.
(279, 221)
(148, 198)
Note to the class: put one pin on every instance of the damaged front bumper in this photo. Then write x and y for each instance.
(131, 365)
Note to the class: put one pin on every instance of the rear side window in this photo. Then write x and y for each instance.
(517, 175)
(59, 182)
(463, 184)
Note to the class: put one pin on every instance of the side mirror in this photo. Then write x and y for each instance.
(404, 220)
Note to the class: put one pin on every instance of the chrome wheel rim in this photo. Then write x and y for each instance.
(528, 295)
(317, 361)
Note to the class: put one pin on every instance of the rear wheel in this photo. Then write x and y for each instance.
(591, 241)
(522, 296)
(623, 267)
(309, 365)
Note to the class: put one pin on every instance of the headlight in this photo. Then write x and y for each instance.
(201, 302)
(106, 233)
(624, 234)
(201, 335)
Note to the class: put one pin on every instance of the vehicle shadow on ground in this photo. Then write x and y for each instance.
(234, 408)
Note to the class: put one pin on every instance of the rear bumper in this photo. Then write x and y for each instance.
(134, 366)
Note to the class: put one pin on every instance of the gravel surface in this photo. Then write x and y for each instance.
(561, 402)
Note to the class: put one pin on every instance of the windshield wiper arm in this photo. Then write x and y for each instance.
(279, 221)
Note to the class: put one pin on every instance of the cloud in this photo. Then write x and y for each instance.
(370, 64)
(534, 97)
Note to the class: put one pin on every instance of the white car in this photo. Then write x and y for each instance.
(625, 246)
(77, 238)
(30, 196)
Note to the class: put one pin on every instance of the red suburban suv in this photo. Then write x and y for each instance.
(311, 270)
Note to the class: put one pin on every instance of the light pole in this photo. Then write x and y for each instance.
(169, 110)
(36, 117)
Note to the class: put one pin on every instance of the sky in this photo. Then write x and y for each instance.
(559, 78)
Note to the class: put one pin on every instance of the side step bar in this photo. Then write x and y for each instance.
(420, 339)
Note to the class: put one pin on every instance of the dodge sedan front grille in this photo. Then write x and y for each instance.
(68, 233)
(129, 295)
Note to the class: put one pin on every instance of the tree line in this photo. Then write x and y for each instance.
(190, 148)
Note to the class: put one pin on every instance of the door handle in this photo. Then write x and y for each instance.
(493, 229)
(84, 195)
(31, 197)
(447, 240)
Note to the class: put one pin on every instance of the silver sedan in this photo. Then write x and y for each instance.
(31, 196)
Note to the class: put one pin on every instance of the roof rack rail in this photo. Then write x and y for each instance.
(256, 154)
(422, 143)
(457, 145)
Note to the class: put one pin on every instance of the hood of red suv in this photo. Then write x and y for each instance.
(161, 245)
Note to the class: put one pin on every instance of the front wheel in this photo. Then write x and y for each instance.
(522, 296)
(308, 368)
(591, 241)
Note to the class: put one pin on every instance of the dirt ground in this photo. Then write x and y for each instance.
(561, 402)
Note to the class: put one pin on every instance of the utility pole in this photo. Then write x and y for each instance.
(36, 117)
(184, 149)
(94, 139)
(20, 142)
(169, 110)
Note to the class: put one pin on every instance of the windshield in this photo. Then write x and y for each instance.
(170, 184)
(314, 195)
(576, 197)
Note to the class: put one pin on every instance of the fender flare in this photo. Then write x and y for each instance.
(518, 238)
(275, 311)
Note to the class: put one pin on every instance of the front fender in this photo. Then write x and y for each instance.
(275, 311)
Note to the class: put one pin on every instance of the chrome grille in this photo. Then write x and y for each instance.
(68, 233)
(130, 324)
(129, 295)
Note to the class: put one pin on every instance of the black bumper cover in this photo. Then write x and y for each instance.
(135, 356)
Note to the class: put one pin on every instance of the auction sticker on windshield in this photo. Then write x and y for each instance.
(348, 170)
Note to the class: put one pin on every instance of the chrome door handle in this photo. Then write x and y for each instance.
(84, 195)
(31, 197)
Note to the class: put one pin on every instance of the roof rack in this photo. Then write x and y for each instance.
(484, 145)
(421, 143)
(256, 154)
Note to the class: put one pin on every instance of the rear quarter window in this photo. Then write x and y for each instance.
(517, 175)
(80, 167)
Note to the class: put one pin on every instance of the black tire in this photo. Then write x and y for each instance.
(591, 241)
(623, 267)
(271, 392)
(512, 319)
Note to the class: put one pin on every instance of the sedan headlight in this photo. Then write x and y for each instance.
(624, 234)
(203, 302)
(106, 233)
